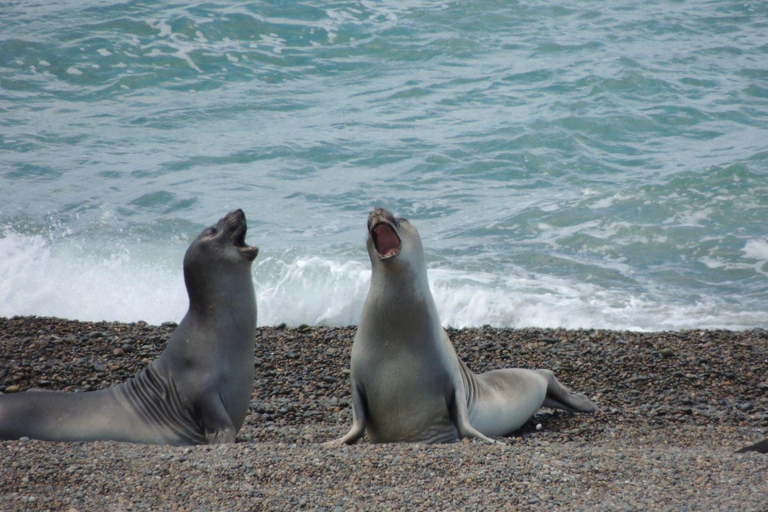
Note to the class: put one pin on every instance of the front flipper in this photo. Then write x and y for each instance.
(358, 421)
(217, 425)
(457, 408)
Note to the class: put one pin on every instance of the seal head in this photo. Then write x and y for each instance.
(395, 249)
(223, 243)
(219, 253)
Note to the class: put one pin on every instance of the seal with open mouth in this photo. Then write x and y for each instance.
(198, 389)
(408, 384)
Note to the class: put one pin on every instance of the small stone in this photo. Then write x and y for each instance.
(13, 388)
(666, 353)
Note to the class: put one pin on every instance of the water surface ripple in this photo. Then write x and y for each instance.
(595, 165)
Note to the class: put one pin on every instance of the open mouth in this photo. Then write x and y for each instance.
(238, 229)
(385, 240)
(238, 234)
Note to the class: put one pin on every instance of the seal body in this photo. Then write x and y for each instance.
(408, 384)
(198, 389)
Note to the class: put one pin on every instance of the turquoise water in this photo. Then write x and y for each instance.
(599, 165)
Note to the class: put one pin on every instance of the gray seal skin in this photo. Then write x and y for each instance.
(759, 447)
(408, 384)
(198, 389)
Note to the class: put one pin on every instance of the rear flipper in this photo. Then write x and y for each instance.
(759, 447)
(560, 397)
(58, 416)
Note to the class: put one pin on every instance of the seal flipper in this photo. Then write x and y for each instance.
(215, 421)
(358, 420)
(59, 416)
(457, 408)
(759, 447)
(560, 397)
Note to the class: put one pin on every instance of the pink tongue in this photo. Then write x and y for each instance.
(386, 239)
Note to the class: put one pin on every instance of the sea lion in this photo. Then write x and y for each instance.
(759, 447)
(408, 384)
(198, 389)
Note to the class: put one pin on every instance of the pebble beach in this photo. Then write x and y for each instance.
(674, 406)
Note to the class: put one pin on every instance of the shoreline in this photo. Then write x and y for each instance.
(674, 406)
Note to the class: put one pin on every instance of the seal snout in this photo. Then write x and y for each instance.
(382, 227)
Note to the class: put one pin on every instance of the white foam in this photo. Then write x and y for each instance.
(519, 301)
(177, 42)
(162, 26)
(64, 281)
(757, 250)
(310, 291)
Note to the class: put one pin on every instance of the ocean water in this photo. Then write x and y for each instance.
(600, 165)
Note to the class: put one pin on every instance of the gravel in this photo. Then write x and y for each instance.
(673, 408)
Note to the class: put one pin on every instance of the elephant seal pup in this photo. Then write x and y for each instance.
(408, 384)
(198, 389)
(759, 447)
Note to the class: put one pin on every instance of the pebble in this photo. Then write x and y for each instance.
(663, 438)
(667, 352)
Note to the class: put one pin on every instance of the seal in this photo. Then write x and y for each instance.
(759, 447)
(408, 384)
(197, 391)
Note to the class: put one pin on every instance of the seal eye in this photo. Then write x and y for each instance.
(212, 231)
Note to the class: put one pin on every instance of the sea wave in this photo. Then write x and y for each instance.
(41, 278)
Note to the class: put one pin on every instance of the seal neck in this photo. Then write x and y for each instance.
(221, 294)
(399, 311)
